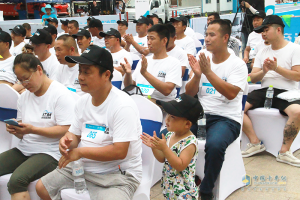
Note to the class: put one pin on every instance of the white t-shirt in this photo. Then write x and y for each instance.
(98, 42)
(233, 71)
(16, 50)
(180, 54)
(187, 44)
(253, 39)
(287, 57)
(165, 70)
(115, 120)
(52, 51)
(68, 76)
(26, 41)
(141, 41)
(50, 66)
(62, 33)
(208, 53)
(54, 108)
(119, 56)
(6, 70)
(259, 47)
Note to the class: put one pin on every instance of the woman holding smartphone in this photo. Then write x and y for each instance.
(45, 112)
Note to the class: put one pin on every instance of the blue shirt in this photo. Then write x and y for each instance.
(22, 14)
(48, 16)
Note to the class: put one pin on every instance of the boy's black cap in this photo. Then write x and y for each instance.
(5, 37)
(270, 19)
(142, 20)
(259, 13)
(184, 106)
(153, 15)
(93, 55)
(181, 18)
(82, 32)
(112, 32)
(122, 22)
(95, 23)
(41, 36)
(19, 30)
(64, 22)
(51, 29)
(52, 19)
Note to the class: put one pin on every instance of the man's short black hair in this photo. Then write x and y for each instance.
(224, 26)
(161, 30)
(171, 29)
(215, 14)
(74, 22)
(26, 26)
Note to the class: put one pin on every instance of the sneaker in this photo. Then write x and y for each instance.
(288, 158)
(253, 149)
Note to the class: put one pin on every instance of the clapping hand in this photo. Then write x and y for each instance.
(195, 66)
(144, 65)
(270, 64)
(126, 67)
(204, 63)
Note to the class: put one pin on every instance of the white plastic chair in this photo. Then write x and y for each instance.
(200, 37)
(135, 60)
(233, 169)
(185, 79)
(8, 110)
(117, 79)
(151, 119)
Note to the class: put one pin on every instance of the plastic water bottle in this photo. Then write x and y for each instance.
(79, 180)
(269, 97)
(201, 133)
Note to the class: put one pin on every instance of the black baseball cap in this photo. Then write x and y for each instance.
(90, 18)
(184, 106)
(112, 32)
(122, 22)
(259, 13)
(5, 37)
(150, 21)
(181, 18)
(142, 20)
(51, 29)
(41, 36)
(82, 32)
(270, 19)
(93, 55)
(64, 22)
(19, 30)
(95, 23)
(52, 19)
(153, 15)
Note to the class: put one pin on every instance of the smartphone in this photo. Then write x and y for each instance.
(12, 122)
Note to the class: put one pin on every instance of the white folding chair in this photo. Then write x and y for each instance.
(200, 37)
(117, 79)
(8, 110)
(233, 169)
(151, 119)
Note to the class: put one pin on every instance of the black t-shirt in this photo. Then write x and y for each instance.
(258, 5)
(95, 10)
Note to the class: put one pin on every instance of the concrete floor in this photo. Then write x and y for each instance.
(259, 165)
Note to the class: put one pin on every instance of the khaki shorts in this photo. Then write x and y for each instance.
(110, 186)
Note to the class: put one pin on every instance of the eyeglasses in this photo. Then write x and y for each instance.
(27, 81)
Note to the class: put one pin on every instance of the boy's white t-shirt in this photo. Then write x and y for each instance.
(6, 70)
(253, 39)
(165, 70)
(50, 66)
(119, 56)
(115, 120)
(54, 108)
(180, 54)
(187, 44)
(233, 71)
(259, 47)
(98, 42)
(68, 76)
(16, 50)
(142, 41)
(287, 57)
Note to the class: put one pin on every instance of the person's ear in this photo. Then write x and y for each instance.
(40, 70)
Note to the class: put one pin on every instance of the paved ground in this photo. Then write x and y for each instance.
(263, 164)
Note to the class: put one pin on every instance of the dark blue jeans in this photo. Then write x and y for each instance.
(220, 133)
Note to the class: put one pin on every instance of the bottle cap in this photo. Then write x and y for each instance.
(271, 86)
(149, 97)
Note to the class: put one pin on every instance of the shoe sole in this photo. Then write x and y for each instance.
(282, 161)
(253, 153)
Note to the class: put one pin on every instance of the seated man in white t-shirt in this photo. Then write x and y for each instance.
(18, 34)
(64, 27)
(254, 38)
(105, 135)
(83, 38)
(138, 44)
(95, 27)
(277, 65)
(28, 32)
(113, 44)
(182, 40)
(122, 28)
(259, 47)
(219, 81)
(157, 75)
(67, 73)
(7, 76)
(53, 32)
